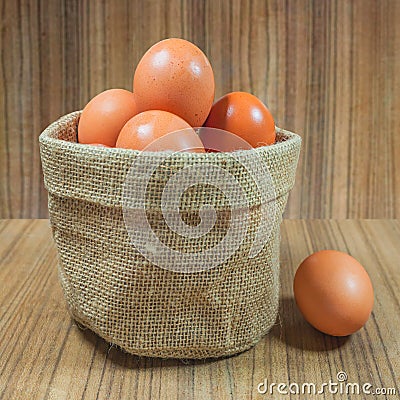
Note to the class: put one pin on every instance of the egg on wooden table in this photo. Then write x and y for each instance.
(333, 292)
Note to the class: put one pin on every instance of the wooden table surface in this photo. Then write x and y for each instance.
(45, 355)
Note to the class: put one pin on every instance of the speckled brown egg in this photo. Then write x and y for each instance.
(175, 76)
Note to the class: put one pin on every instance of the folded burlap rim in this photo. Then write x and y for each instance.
(97, 174)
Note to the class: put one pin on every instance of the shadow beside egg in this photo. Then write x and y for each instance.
(292, 329)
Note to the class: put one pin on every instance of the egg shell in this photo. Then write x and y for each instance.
(104, 116)
(98, 145)
(174, 75)
(244, 115)
(333, 292)
(157, 130)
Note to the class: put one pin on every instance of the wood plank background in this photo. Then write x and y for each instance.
(328, 70)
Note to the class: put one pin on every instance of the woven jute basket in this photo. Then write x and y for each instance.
(117, 292)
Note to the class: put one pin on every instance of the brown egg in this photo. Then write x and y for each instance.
(244, 115)
(157, 130)
(333, 292)
(105, 115)
(98, 145)
(174, 75)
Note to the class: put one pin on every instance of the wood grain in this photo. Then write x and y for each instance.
(327, 69)
(45, 355)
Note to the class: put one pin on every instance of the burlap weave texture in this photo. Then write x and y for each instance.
(116, 292)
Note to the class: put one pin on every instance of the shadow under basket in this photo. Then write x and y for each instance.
(145, 309)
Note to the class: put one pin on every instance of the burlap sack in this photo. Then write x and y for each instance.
(111, 288)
